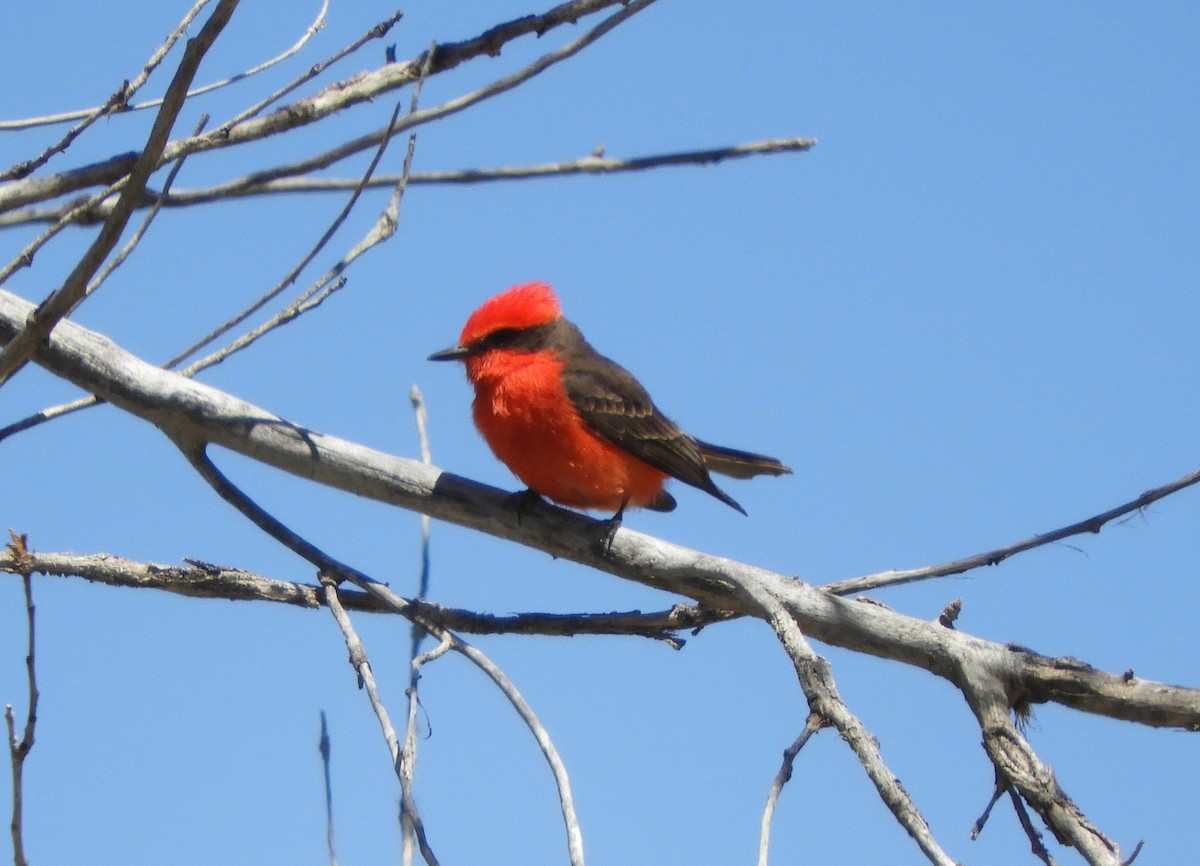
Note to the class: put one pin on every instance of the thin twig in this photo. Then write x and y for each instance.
(416, 659)
(997, 792)
(29, 166)
(18, 751)
(384, 227)
(995, 557)
(453, 106)
(361, 665)
(132, 243)
(60, 303)
(331, 568)
(411, 826)
(252, 185)
(814, 724)
(557, 767)
(197, 579)
(421, 417)
(295, 271)
(366, 679)
(325, 748)
(816, 681)
(66, 116)
(303, 304)
(119, 101)
(1137, 849)
(310, 299)
(416, 632)
(377, 32)
(340, 96)
(1031, 833)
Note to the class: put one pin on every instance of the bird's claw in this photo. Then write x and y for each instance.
(609, 530)
(523, 500)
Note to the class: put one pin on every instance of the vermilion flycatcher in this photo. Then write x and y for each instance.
(573, 425)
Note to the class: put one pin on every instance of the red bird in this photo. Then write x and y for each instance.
(573, 425)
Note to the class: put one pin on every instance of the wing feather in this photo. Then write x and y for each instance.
(616, 406)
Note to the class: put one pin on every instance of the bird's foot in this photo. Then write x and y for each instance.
(608, 530)
(523, 501)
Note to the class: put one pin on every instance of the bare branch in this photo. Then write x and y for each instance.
(411, 825)
(325, 748)
(91, 114)
(814, 724)
(119, 101)
(308, 257)
(416, 632)
(18, 750)
(366, 678)
(816, 680)
(1022, 770)
(995, 557)
(197, 579)
(193, 412)
(252, 184)
(377, 32)
(64, 299)
(993, 678)
(29, 166)
(342, 95)
(131, 245)
(333, 571)
(429, 62)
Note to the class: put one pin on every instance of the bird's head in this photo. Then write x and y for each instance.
(501, 320)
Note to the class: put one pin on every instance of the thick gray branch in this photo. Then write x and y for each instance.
(191, 411)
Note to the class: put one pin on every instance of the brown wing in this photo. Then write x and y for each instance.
(616, 406)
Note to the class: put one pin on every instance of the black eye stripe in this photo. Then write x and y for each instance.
(502, 337)
(521, 339)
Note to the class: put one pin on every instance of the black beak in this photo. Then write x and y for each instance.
(454, 353)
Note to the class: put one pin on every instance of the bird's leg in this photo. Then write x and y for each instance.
(610, 528)
(523, 501)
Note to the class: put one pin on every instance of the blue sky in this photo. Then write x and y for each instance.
(969, 315)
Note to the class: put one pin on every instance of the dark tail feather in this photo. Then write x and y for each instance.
(739, 464)
(723, 496)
